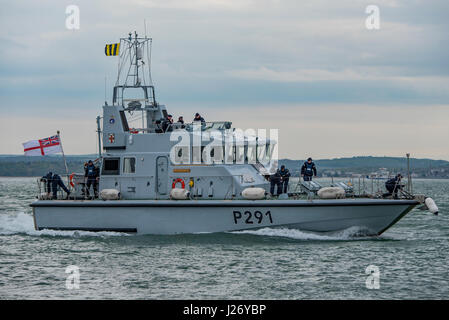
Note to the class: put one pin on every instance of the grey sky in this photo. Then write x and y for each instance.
(309, 68)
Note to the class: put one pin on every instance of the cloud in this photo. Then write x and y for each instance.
(269, 56)
(324, 131)
(314, 75)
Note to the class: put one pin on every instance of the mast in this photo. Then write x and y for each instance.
(63, 156)
(99, 136)
(134, 73)
(137, 81)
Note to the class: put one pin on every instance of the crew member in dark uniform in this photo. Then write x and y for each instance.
(91, 172)
(198, 117)
(285, 175)
(158, 126)
(181, 122)
(166, 125)
(275, 180)
(308, 170)
(48, 178)
(393, 185)
(54, 180)
(57, 181)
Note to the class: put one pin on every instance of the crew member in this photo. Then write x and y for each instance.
(275, 180)
(166, 125)
(158, 126)
(181, 122)
(53, 180)
(393, 185)
(285, 176)
(308, 170)
(48, 178)
(91, 172)
(57, 181)
(198, 117)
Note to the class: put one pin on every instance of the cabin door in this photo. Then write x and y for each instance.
(162, 175)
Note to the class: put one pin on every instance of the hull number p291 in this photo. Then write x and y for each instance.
(252, 217)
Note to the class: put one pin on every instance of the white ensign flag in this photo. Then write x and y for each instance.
(42, 147)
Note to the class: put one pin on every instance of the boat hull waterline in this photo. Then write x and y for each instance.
(374, 216)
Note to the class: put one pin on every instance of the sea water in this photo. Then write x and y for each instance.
(410, 260)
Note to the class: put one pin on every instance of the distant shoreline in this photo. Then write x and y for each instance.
(354, 178)
(21, 166)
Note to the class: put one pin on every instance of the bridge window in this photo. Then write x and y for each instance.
(129, 165)
(182, 155)
(208, 155)
(251, 153)
(196, 154)
(216, 154)
(111, 166)
(239, 154)
(263, 153)
(270, 151)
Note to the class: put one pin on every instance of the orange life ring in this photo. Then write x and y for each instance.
(71, 180)
(134, 131)
(183, 185)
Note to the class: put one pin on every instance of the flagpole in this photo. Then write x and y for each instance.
(63, 157)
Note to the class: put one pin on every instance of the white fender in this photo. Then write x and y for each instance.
(179, 194)
(253, 193)
(110, 194)
(431, 205)
(331, 193)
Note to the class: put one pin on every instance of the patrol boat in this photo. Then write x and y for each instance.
(166, 178)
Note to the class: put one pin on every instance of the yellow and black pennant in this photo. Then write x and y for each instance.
(112, 49)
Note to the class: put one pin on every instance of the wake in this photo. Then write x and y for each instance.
(353, 233)
(22, 223)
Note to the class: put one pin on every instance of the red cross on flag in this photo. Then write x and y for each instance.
(42, 147)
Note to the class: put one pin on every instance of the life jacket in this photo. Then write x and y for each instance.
(308, 168)
(284, 173)
(199, 119)
(91, 171)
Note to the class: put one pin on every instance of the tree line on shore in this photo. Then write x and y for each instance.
(20, 166)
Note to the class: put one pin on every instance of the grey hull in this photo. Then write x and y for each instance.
(174, 217)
